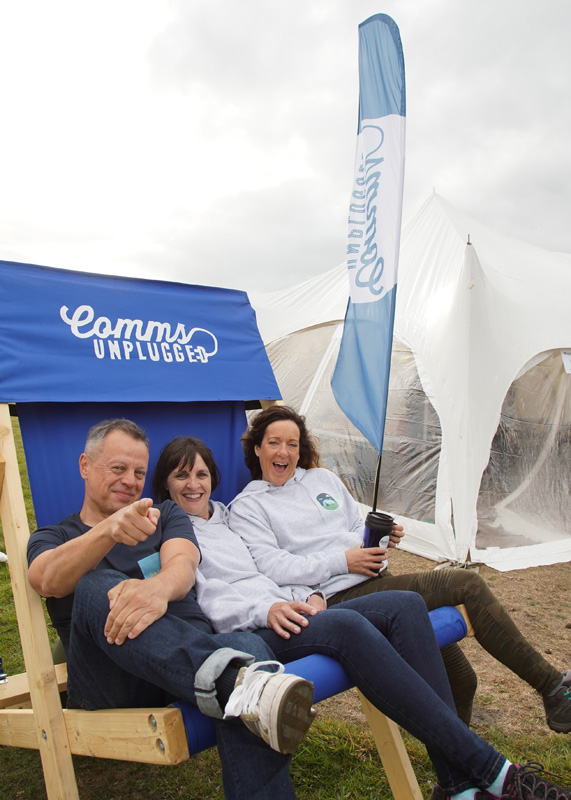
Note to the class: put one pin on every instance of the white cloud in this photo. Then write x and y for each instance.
(213, 141)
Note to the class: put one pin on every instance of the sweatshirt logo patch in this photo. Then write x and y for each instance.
(328, 502)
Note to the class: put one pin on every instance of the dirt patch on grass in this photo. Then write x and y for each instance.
(539, 601)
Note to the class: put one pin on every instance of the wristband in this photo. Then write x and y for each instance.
(317, 592)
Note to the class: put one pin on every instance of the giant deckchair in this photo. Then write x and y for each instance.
(76, 348)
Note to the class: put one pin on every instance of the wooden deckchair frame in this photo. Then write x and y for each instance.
(31, 714)
(153, 736)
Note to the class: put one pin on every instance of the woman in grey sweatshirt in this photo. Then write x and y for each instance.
(372, 637)
(301, 525)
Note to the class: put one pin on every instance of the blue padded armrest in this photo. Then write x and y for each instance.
(449, 625)
(327, 676)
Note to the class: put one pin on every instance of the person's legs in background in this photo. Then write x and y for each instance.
(493, 627)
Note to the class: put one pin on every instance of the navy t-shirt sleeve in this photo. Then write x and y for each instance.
(52, 536)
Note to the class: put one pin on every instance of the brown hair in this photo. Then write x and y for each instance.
(181, 452)
(253, 437)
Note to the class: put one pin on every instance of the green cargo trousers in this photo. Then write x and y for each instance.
(493, 627)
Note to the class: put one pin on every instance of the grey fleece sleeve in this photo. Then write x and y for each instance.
(230, 610)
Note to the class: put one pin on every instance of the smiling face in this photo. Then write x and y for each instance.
(114, 475)
(190, 487)
(279, 451)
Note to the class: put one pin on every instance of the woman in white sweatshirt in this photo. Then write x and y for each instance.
(384, 642)
(301, 525)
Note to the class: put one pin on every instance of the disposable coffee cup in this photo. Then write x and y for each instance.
(378, 528)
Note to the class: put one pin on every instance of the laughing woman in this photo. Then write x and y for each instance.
(295, 536)
(371, 636)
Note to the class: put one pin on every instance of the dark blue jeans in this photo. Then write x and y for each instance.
(386, 645)
(171, 659)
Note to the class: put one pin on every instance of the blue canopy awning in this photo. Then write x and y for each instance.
(131, 339)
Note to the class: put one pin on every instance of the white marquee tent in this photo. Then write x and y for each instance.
(477, 452)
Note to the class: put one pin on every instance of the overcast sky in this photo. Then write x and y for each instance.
(212, 141)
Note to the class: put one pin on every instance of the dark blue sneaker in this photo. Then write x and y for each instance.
(532, 782)
(558, 706)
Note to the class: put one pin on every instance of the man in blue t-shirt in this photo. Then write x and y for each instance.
(118, 580)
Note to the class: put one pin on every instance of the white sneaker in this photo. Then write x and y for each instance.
(3, 557)
(275, 706)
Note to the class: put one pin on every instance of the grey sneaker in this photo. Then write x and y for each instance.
(531, 782)
(558, 706)
(275, 706)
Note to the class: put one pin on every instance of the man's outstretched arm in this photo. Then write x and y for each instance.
(56, 572)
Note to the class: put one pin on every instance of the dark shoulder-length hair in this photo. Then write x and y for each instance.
(253, 437)
(181, 453)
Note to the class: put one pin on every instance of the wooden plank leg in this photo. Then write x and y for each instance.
(394, 757)
(49, 722)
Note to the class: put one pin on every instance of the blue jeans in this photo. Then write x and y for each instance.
(386, 645)
(171, 659)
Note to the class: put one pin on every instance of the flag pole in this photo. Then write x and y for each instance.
(377, 479)
(360, 381)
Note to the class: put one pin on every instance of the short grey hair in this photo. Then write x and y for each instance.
(98, 432)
